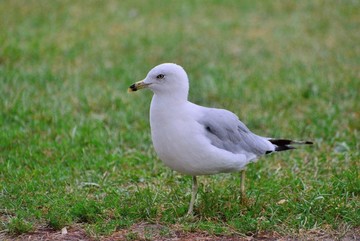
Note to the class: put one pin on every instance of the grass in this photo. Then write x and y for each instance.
(76, 148)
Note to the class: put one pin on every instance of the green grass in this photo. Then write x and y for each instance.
(76, 148)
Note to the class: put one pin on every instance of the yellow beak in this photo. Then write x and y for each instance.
(137, 86)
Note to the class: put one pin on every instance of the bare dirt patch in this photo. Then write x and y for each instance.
(75, 233)
(145, 231)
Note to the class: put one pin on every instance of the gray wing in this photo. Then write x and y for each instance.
(226, 131)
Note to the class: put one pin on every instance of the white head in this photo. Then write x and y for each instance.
(165, 80)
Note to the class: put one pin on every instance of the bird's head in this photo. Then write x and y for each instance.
(165, 79)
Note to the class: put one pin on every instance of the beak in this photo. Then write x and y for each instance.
(138, 86)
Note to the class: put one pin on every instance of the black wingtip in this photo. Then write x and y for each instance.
(284, 148)
(280, 142)
(284, 144)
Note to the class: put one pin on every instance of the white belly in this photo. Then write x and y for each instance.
(182, 145)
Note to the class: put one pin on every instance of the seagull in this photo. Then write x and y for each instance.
(197, 140)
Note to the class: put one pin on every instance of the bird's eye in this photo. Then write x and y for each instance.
(160, 76)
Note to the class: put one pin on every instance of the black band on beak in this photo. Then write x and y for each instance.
(133, 87)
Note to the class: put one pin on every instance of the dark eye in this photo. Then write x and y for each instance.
(160, 76)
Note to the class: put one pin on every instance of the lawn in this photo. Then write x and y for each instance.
(75, 147)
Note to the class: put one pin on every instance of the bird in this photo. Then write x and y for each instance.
(196, 140)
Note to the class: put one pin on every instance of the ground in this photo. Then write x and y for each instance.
(76, 150)
(144, 231)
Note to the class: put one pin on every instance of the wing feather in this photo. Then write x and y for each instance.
(226, 131)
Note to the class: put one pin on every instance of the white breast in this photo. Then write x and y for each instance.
(180, 141)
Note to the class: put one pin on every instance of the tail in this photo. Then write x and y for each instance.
(283, 144)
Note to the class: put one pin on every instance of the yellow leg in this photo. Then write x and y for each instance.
(243, 193)
(193, 196)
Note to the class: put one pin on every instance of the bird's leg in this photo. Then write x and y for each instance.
(193, 195)
(242, 187)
